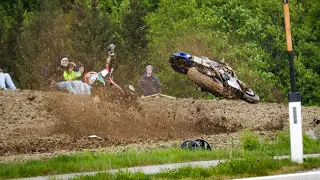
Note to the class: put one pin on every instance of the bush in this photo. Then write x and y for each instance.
(250, 141)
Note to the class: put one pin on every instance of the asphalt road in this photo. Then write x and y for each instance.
(313, 175)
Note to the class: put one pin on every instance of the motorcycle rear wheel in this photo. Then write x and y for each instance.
(250, 97)
(208, 84)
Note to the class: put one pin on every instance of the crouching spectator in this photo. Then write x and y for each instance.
(80, 86)
(71, 84)
(6, 82)
(149, 83)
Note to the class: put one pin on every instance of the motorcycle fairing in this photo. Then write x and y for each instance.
(184, 55)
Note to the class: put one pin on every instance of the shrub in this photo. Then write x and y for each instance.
(250, 141)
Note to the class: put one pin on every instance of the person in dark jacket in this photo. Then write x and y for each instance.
(149, 83)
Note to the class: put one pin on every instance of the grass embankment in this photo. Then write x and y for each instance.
(254, 151)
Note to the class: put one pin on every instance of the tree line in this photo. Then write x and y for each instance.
(248, 35)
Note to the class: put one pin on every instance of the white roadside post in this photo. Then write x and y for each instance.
(295, 116)
(295, 127)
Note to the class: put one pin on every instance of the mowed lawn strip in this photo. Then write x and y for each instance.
(237, 168)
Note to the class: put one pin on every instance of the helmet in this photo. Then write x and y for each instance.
(111, 49)
(64, 62)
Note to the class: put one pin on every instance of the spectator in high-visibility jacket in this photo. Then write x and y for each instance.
(69, 74)
(71, 84)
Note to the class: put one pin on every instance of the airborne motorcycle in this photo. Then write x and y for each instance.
(212, 76)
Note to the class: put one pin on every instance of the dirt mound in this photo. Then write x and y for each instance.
(33, 121)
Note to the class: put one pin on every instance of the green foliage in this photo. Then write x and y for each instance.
(248, 35)
(248, 167)
(250, 141)
(277, 143)
(39, 48)
(191, 172)
(90, 161)
(310, 144)
(251, 165)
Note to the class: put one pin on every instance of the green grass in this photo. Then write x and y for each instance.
(277, 144)
(250, 145)
(89, 161)
(247, 167)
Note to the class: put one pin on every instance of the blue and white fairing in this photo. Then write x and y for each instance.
(184, 55)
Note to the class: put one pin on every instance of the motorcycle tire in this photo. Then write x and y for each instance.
(204, 144)
(179, 64)
(250, 97)
(208, 84)
(190, 144)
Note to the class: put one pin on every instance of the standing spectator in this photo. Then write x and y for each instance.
(111, 59)
(149, 83)
(6, 82)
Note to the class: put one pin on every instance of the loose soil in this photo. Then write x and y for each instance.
(34, 122)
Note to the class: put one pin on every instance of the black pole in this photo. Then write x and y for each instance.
(292, 73)
(289, 45)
